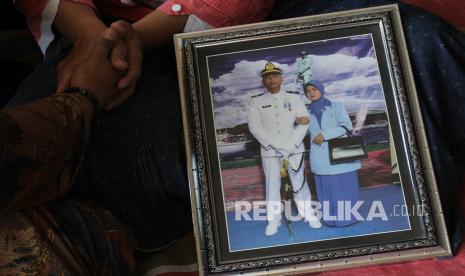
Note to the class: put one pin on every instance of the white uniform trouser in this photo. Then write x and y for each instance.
(271, 168)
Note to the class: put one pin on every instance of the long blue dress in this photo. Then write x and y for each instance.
(337, 185)
(342, 189)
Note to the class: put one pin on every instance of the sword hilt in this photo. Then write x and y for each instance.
(284, 166)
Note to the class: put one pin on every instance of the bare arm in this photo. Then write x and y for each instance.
(77, 21)
(158, 28)
(81, 24)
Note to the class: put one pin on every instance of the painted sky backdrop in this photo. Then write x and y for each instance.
(346, 66)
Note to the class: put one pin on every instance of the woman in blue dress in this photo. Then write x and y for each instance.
(336, 185)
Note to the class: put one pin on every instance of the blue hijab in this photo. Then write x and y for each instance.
(317, 107)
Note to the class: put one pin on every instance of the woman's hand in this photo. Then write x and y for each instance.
(130, 56)
(97, 74)
(126, 57)
(82, 25)
(82, 51)
(319, 139)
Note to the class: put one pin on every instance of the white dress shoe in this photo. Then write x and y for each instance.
(272, 228)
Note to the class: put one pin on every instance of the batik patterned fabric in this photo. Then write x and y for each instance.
(42, 230)
(135, 163)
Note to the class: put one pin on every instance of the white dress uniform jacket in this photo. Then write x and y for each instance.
(272, 120)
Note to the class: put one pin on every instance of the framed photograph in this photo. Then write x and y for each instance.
(305, 146)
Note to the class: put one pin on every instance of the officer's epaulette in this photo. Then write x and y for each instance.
(257, 95)
(293, 92)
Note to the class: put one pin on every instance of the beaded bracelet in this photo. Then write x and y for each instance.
(87, 94)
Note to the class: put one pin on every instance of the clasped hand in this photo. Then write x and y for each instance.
(124, 60)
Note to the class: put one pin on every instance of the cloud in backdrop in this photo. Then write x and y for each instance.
(347, 67)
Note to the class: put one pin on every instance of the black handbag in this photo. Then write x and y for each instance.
(346, 149)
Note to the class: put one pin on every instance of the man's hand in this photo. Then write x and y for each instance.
(285, 150)
(279, 149)
(97, 74)
(319, 139)
(304, 120)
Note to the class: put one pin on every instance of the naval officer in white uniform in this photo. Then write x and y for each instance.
(271, 121)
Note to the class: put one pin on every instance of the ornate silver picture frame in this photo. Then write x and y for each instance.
(256, 132)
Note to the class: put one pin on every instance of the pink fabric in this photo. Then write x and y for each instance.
(217, 13)
(222, 13)
(453, 266)
(33, 12)
(114, 10)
